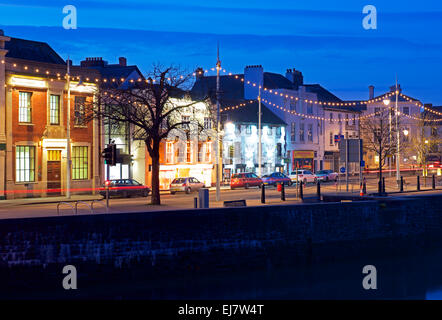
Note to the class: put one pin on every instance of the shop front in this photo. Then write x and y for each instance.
(303, 160)
(202, 172)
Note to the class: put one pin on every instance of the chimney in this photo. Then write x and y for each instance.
(93, 62)
(371, 92)
(295, 77)
(253, 75)
(199, 73)
(3, 39)
(122, 61)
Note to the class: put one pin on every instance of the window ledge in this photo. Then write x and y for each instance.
(25, 124)
(80, 127)
(22, 183)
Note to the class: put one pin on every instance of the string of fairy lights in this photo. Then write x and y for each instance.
(59, 76)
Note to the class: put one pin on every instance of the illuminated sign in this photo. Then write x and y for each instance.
(27, 82)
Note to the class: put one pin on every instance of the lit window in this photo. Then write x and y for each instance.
(80, 163)
(376, 159)
(169, 152)
(188, 151)
(24, 163)
(310, 132)
(248, 129)
(208, 151)
(24, 107)
(54, 109)
(79, 113)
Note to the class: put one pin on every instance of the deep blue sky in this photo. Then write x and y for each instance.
(322, 38)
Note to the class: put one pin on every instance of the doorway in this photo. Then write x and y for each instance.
(54, 173)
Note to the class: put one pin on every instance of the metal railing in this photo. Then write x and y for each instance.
(75, 208)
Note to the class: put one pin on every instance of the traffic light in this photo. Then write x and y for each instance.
(110, 155)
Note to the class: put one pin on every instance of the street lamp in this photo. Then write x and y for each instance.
(387, 103)
(405, 132)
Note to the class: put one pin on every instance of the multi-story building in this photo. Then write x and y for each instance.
(33, 122)
(239, 118)
(306, 109)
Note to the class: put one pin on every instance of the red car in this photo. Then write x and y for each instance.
(245, 180)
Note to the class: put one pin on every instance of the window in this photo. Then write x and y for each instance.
(169, 152)
(248, 129)
(208, 151)
(185, 122)
(279, 150)
(293, 132)
(238, 129)
(207, 123)
(269, 131)
(24, 107)
(79, 114)
(346, 119)
(293, 105)
(354, 120)
(331, 117)
(80, 163)
(310, 132)
(310, 108)
(406, 110)
(434, 132)
(188, 151)
(231, 151)
(278, 131)
(54, 109)
(24, 163)
(339, 119)
(331, 138)
(301, 132)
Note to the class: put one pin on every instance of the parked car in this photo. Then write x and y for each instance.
(125, 188)
(305, 176)
(186, 185)
(327, 175)
(245, 180)
(276, 178)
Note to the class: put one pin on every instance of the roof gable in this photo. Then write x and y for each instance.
(32, 50)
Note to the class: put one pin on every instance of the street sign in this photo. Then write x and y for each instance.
(342, 170)
(362, 163)
(339, 137)
(354, 153)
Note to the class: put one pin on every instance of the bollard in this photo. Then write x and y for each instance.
(318, 189)
(301, 191)
(203, 194)
(418, 184)
(282, 192)
(380, 186)
(434, 182)
(383, 185)
(263, 193)
(402, 184)
(195, 203)
(364, 187)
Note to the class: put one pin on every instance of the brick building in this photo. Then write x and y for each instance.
(33, 122)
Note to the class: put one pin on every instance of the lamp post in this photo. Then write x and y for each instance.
(68, 134)
(259, 134)
(387, 103)
(218, 128)
(398, 154)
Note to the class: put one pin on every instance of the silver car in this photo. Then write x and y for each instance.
(186, 185)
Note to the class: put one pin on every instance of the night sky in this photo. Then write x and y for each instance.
(322, 38)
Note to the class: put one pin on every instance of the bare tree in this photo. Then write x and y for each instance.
(426, 141)
(378, 133)
(152, 107)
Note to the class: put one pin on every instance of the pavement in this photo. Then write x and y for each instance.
(43, 207)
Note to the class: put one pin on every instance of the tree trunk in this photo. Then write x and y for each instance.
(155, 155)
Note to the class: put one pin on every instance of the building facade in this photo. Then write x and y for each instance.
(33, 122)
